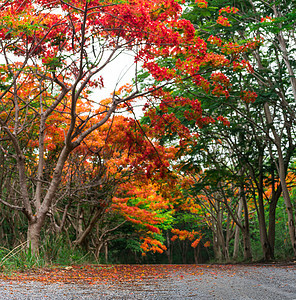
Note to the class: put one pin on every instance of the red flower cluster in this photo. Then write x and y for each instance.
(229, 10)
(223, 21)
(215, 40)
(267, 19)
(221, 84)
(224, 121)
(220, 77)
(249, 96)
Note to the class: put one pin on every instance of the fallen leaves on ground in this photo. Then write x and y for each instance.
(96, 274)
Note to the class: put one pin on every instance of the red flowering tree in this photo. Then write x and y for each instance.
(53, 54)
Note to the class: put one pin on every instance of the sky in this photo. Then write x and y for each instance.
(116, 74)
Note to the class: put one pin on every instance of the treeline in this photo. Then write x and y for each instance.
(245, 154)
(205, 173)
(241, 161)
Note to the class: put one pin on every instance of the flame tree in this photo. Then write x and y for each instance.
(52, 56)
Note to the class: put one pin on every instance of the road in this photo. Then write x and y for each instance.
(176, 282)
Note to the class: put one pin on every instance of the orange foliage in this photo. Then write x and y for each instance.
(190, 235)
(150, 244)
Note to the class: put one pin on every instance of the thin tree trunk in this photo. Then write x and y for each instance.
(282, 174)
(246, 229)
(216, 245)
(272, 217)
(196, 254)
(98, 251)
(267, 253)
(98, 213)
(237, 231)
(169, 248)
(106, 251)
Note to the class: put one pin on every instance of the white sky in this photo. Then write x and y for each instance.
(116, 74)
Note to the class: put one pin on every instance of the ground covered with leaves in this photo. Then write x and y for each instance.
(152, 282)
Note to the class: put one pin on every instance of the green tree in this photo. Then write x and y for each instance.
(254, 91)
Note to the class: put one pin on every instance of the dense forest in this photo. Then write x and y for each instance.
(192, 161)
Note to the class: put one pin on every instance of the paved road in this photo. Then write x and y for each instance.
(191, 282)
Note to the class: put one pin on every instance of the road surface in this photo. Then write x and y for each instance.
(239, 282)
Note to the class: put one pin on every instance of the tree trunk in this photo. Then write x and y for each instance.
(267, 255)
(237, 231)
(169, 248)
(246, 229)
(220, 235)
(33, 237)
(106, 252)
(184, 246)
(272, 217)
(247, 245)
(216, 245)
(281, 167)
(289, 207)
(98, 251)
(266, 249)
(94, 219)
(196, 254)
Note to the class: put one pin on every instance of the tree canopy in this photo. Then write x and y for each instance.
(211, 158)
